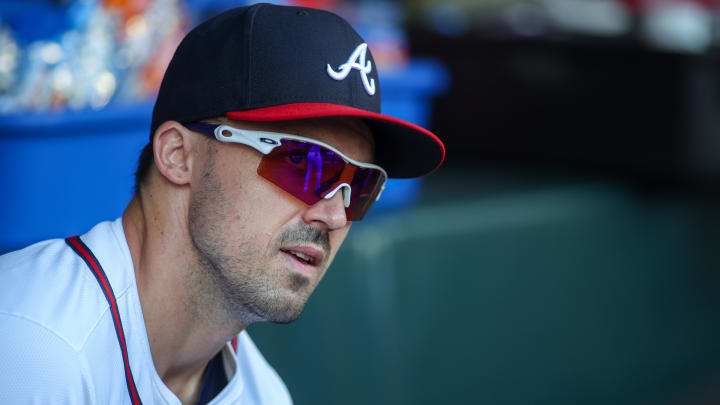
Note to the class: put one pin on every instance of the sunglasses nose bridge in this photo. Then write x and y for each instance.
(346, 190)
(347, 174)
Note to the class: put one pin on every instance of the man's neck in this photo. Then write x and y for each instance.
(182, 343)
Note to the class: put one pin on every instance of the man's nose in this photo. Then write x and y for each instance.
(330, 211)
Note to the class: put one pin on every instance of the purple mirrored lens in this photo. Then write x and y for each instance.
(303, 169)
(309, 171)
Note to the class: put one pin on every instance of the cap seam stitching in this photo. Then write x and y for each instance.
(352, 82)
(248, 82)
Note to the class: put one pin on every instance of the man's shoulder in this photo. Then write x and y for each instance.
(42, 325)
(40, 364)
(46, 286)
(262, 382)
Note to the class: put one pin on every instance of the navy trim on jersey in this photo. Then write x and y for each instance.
(87, 255)
(213, 381)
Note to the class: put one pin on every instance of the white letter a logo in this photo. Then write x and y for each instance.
(355, 61)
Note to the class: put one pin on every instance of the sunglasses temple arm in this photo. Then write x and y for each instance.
(263, 142)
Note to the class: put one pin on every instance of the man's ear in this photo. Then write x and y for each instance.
(173, 148)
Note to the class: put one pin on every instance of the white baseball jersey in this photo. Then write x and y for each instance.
(72, 331)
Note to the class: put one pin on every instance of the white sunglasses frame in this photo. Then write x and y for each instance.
(264, 142)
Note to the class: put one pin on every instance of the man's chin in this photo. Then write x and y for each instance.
(287, 317)
(286, 309)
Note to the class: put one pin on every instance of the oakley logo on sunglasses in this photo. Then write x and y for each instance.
(356, 61)
(268, 141)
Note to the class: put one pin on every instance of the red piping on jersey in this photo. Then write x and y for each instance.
(84, 252)
(234, 344)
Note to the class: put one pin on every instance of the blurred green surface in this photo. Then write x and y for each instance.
(514, 291)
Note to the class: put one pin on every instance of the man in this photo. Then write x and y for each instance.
(262, 139)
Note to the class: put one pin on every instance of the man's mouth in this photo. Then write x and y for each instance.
(307, 255)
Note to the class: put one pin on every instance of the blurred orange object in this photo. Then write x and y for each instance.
(127, 8)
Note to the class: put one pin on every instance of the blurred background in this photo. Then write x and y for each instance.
(567, 252)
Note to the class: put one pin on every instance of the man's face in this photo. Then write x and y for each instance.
(253, 240)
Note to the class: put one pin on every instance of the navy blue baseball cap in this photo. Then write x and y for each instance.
(277, 63)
